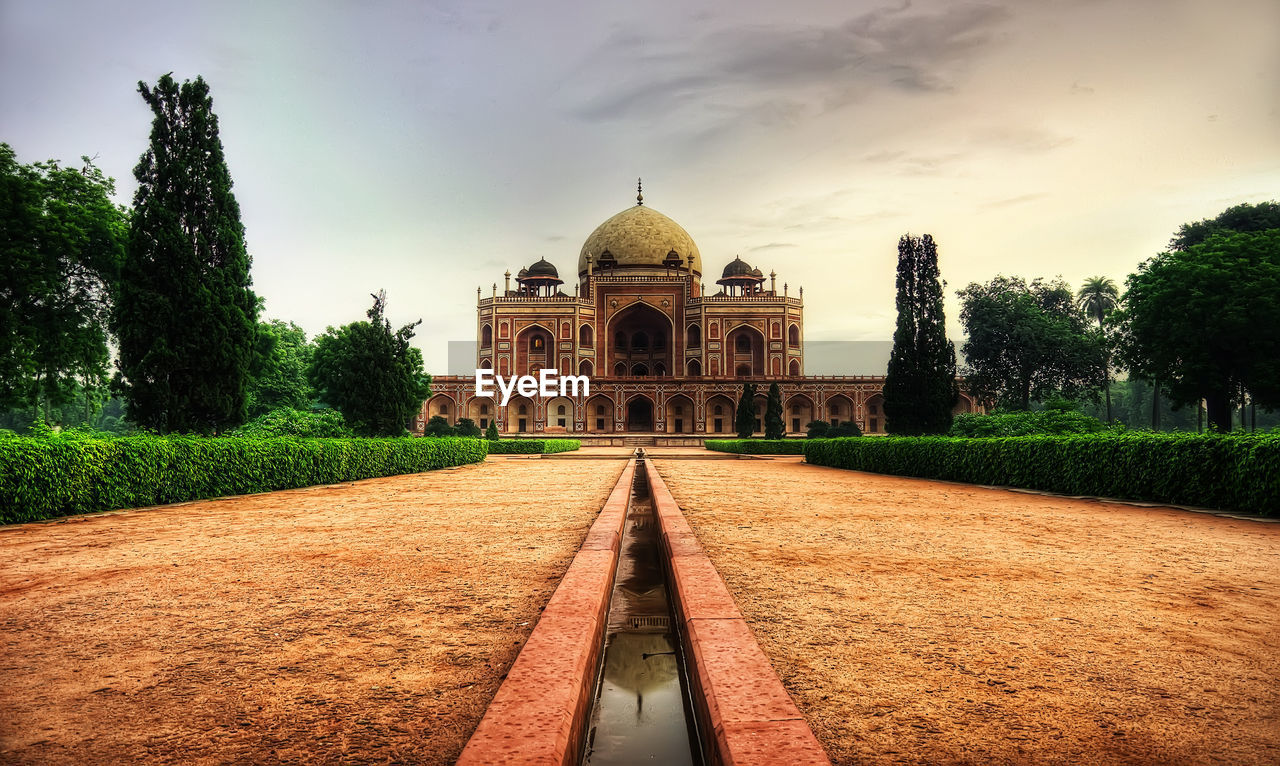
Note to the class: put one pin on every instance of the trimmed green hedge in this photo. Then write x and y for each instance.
(1238, 473)
(50, 477)
(757, 446)
(532, 446)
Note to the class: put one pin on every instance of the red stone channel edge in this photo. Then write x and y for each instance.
(745, 716)
(540, 711)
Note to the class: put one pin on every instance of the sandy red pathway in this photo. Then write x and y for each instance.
(364, 623)
(917, 621)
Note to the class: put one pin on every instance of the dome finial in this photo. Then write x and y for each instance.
(639, 193)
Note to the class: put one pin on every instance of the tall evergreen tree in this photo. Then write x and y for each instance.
(185, 315)
(745, 418)
(920, 388)
(774, 428)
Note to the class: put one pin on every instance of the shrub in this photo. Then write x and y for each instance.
(467, 427)
(491, 431)
(1230, 472)
(532, 446)
(847, 428)
(49, 477)
(322, 424)
(816, 429)
(1049, 421)
(757, 446)
(437, 426)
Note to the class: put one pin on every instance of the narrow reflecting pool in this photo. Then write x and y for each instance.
(641, 713)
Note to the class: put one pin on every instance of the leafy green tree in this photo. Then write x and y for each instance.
(278, 378)
(774, 428)
(438, 426)
(1243, 218)
(745, 419)
(491, 431)
(920, 389)
(1027, 342)
(185, 314)
(844, 429)
(817, 429)
(1097, 298)
(61, 244)
(467, 427)
(1205, 322)
(370, 373)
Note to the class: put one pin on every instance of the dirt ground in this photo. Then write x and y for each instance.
(923, 622)
(360, 623)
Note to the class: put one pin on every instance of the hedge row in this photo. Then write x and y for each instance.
(1237, 473)
(758, 446)
(532, 446)
(46, 478)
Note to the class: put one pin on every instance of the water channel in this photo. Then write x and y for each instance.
(642, 711)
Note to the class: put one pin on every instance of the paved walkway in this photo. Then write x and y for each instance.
(917, 621)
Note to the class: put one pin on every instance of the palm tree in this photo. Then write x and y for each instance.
(1097, 297)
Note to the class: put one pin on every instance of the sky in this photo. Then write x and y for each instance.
(427, 147)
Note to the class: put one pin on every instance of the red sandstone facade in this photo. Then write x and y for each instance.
(663, 355)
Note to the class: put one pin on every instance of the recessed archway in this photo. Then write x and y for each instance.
(639, 413)
(875, 414)
(679, 415)
(694, 367)
(746, 344)
(798, 413)
(599, 414)
(839, 409)
(719, 414)
(560, 415)
(642, 335)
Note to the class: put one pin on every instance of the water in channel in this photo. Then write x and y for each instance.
(642, 711)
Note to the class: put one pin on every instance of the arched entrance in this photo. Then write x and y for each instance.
(642, 335)
(639, 414)
(679, 415)
(599, 414)
(720, 412)
(799, 413)
(875, 414)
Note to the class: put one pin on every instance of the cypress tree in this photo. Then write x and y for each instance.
(920, 389)
(745, 418)
(185, 314)
(774, 428)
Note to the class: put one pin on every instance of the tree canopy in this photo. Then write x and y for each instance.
(61, 245)
(920, 388)
(278, 376)
(370, 373)
(185, 315)
(1027, 342)
(1205, 322)
(1244, 218)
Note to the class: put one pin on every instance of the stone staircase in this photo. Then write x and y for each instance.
(640, 441)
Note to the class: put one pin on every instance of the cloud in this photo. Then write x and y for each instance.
(766, 72)
(771, 246)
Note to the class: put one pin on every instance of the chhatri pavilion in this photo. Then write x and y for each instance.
(665, 357)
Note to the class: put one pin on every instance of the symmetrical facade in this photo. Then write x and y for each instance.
(663, 354)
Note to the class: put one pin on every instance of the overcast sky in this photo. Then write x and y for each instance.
(425, 148)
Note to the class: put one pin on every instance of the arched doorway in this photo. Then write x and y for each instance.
(585, 367)
(839, 409)
(695, 367)
(875, 414)
(679, 415)
(520, 415)
(560, 415)
(798, 413)
(639, 414)
(642, 336)
(599, 414)
(746, 346)
(720, 411)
